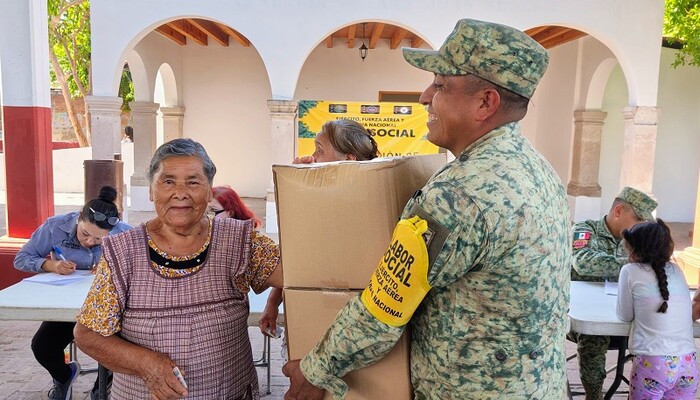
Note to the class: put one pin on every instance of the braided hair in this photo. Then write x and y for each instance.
(650, 242)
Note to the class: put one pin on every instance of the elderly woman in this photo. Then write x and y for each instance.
(341, 140)
(172, 292)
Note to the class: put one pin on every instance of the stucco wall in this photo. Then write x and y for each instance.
(553, 106)
(225, 92)
(630, 28)
(340, 74)
(677, 161)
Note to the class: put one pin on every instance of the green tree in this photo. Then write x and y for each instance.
(69, 54)
(682, 26)
(126, 88)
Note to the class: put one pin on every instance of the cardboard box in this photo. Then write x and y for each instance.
(308, 315)
(336, 220)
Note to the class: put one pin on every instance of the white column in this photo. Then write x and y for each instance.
(583, 188)
(283, 128)
(689, 258)
(105, 115)
(173, 121)
(641, 124)
(144, 115)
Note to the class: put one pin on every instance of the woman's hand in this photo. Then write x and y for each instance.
(62, 267)
(268, 319)
(304, 160)
(157, 373)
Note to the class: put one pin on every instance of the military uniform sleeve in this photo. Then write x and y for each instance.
(458, 239)
(355, 340)
(590, 258)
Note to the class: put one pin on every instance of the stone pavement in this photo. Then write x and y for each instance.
(22, 378)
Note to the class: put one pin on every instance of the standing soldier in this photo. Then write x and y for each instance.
(487, 241)
(598, 255)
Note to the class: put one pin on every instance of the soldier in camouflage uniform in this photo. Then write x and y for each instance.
(598, 254)
(492, 325)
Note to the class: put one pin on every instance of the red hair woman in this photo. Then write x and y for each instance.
(227, 204)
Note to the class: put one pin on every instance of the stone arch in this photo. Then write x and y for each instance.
(165, 88)
(598, 83)
(383, 69)
(142, 88)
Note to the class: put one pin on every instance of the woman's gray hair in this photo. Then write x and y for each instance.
(181, 148)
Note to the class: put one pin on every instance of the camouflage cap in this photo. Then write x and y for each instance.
(500, 54)
(641, 203)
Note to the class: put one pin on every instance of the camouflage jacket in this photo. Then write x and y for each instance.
(493, 325)
(597, 254)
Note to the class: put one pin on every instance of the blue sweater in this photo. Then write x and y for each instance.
(59, 231)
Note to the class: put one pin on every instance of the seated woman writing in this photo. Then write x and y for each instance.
(171, 295)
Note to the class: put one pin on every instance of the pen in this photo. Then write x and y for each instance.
(59, 253)
(179, 376)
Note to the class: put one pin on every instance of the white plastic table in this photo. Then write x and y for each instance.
(30, 301)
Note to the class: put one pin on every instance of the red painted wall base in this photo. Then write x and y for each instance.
(8, 274)
(28, 168)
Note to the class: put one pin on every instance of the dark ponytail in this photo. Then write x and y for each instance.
(103, 205)
(651, 243)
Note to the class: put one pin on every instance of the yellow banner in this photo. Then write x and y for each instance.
(398, 128)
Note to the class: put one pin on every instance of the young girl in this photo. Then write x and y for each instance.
(653, 294)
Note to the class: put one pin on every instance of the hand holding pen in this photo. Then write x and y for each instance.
(61, 265)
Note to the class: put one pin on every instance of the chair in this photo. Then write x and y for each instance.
(264, 360)
(618, 343)
(73, 356)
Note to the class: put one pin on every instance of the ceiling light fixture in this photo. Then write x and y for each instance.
(363, 48)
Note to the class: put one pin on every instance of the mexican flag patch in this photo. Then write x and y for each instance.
(581, 239)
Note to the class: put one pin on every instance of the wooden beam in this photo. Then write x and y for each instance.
(550, 32)
(237, 36)
(211, 29)
(352, 29)
(416, 41)
(564, 37)
(376, 34)
(397, 37)
(172, 34)
(534, 31)
(329, 42)
(190, 31)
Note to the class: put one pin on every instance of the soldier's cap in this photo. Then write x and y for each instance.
(641, 203)
(497, 53)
